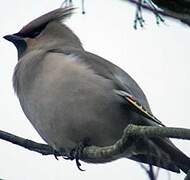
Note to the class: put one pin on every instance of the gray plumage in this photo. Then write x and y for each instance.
(69, 94)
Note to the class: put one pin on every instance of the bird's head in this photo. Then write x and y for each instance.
(47, 31)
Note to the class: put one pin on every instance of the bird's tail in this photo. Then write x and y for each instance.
(162, 153)
(179, 159)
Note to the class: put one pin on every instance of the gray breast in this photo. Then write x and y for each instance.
(67, 101)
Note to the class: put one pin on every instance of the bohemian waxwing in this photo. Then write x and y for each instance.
(70, 95)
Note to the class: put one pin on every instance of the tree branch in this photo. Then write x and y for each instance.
(44, 149)
(129, 133)
(176, 9)
(94, 152)
(114, 151)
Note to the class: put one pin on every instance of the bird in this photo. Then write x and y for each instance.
(73, 97)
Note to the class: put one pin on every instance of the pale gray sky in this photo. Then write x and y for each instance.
(157, 57)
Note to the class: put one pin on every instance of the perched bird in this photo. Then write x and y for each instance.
(70, 95)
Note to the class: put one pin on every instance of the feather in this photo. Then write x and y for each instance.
(59, 15)
(138, 107)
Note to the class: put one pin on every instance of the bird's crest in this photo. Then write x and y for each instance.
(39, 23)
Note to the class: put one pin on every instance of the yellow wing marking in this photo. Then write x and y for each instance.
(143, 110)
(138, 106)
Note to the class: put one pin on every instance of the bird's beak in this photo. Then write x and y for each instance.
(18, 41)
(13, 38)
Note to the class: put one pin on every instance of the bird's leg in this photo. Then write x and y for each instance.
(76, 153)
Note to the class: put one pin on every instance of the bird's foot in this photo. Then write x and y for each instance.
(56, 153)
(76, 153)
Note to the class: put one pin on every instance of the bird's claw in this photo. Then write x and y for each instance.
(56, 154)
(76, 153)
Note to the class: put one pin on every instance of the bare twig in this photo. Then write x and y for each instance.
(106, 153)
(67, 3)
(179, 13)
(149, 171)
(83, 10)
(92, 152)
(138, 16)
(172, 9)
(44, 149)
(132, 131)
